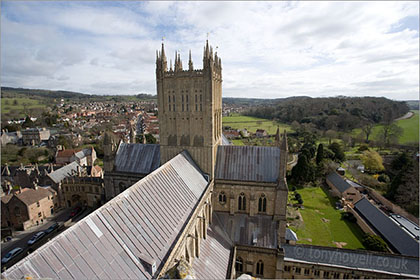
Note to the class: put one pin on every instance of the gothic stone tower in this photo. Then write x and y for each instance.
(190, 108)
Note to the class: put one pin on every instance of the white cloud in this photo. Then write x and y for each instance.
(268, 49)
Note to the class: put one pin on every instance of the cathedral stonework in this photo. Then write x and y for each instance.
(190, 108)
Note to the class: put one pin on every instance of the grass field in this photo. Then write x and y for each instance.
(252, 124)
(322, 224)
(19, 105)
(410, 130)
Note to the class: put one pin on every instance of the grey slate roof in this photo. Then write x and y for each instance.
(137, 158)
(291, 235)
(243, 229)
(360, 260)
(141, 223)
(215, 254)
(248, 163)
(66, 171)
(338, 182)
(399, 239)
(83, 153)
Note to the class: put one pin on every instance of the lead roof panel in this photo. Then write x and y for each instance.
(248, 163)
(131, 224)
(137, 158)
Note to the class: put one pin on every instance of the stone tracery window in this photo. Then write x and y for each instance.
(222, 197)
(262, 204)
(242, 202)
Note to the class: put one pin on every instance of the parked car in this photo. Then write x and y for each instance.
(37, 236)
(75, 211)
(13, 253)
(51, 228)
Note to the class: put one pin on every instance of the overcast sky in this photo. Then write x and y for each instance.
(268, 49)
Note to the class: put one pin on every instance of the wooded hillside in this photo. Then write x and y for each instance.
(336, 113)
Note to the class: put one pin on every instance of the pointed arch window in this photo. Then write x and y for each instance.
(239, 265)
(262, 204)
(260, 268)
(242, 202)
(222, 198)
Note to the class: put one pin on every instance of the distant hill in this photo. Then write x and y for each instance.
(413, 104)
(9, 92)
(336, 113)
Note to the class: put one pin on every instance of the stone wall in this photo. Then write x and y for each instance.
(252, 194)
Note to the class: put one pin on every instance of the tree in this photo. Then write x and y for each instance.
(374, 243)
(389, 133)
(303, 171)
(372, 161)
(330, 134)
(367, 130)
(28, 122)
(320, 154)
(338, 151)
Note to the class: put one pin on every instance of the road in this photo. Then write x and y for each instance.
(23, 237)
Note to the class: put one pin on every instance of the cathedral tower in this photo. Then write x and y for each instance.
(190, 108)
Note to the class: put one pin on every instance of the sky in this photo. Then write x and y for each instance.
(268, 49)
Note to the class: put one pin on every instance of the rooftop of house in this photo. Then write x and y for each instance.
(398, 238)
(338, 182)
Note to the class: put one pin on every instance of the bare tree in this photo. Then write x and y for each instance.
(367, 130)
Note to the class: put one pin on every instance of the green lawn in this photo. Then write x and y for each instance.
(410, 130)
(252, 124)
(20, 105)
(318, 206)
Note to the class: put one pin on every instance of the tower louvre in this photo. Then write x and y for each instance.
(190, 108)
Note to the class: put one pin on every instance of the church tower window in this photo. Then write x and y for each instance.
(262, 204)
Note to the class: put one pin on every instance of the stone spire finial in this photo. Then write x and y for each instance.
(132, 136)
(284, 146)
(277, 136)
(190, 63)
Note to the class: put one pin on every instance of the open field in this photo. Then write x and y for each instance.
(252, 124)
(410, 130)
(20, 105)
(322, 224)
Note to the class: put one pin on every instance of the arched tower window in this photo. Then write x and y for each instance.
(242, 202)
(222, 197)
(260, 268)
(239, 265)
(262, 204)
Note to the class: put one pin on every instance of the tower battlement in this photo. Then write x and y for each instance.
(211, 63)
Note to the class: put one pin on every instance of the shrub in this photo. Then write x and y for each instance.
(374, 243)
(349, 217)
(383, 178)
